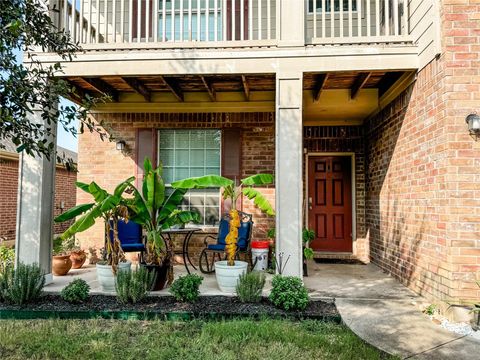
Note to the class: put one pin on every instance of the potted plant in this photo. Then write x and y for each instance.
(228, 271)
(156, 211)
(110, 208)
(61, 263)
(308, 236)
(78, 257)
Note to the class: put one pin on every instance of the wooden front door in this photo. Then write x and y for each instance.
(330, 202)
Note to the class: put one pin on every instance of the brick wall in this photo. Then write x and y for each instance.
(8, 198)
(65, 193)
(423, 192)
(101, 162)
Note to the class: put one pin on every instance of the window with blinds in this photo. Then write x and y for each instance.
(190, 152)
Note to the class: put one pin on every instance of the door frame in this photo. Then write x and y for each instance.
(354, 195)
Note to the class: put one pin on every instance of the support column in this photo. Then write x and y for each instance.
(36, 186)
(288, 170)
(291, 23)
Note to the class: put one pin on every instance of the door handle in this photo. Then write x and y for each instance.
(310, 203)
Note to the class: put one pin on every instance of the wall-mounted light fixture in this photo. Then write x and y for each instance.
(120, 145)
(473, 122)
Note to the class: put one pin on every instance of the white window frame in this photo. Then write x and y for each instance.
(188, 195)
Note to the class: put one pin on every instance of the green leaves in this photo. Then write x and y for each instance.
(259, 200)
(258, 179)
(202, 182)
(73, 212)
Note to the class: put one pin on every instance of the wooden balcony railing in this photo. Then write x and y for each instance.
(193, 22)
(225, 23)
(356, 21)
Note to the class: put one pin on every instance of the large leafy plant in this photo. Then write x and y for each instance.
(232, 192)
(109, 207)
(157, 210)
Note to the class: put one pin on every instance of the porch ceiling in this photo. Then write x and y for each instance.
(333, 96)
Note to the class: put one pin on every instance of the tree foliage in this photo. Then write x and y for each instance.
(26, 27)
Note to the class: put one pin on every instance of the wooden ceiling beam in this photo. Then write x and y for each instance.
(138, 87)
(103, 88)
(319, 85)
(210, 89)
(246, 87)
(173, 86)
(387, 81)
(359, 83)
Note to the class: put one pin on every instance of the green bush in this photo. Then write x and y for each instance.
(133, 286)
(21, 285)
(7, 257)
(288, 293)
(186, 288)
(250, 286)
(76, 292)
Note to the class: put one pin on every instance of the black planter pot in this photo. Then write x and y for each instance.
(476, 317)
(160, 273)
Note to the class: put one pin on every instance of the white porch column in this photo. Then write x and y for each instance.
(288, 158)
(290, 22)
(34, 231)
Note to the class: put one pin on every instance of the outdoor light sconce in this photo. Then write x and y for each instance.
(121, 145)
(473, 122)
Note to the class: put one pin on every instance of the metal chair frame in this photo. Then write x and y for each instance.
(206, 266)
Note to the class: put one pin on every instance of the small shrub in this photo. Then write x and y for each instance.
(7, 257)
(75, 292)
(288, 293)
(430, 310)
(23, 284)
(186, 288)
(133, 286)
(250, 286)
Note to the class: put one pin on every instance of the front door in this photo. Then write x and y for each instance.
(330, 202)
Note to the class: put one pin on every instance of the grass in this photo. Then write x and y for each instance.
(134, 339)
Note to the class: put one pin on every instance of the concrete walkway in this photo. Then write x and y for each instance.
(384, 313)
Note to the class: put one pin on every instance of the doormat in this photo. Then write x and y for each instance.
(339, 261)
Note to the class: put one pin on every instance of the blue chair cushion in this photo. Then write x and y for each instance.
(133, 247)
(244, 234)
(223, 230)
(130, 236)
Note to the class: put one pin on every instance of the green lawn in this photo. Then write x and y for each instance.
(235, 339)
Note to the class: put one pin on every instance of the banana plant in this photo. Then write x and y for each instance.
(109, 207)
(157, 211)
(232, 192)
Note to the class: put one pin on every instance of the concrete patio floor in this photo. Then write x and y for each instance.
(374, 305)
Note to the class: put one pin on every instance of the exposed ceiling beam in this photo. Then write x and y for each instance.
(387, 81)
(246, 87)
(173, 86)
(210, 89)
(103, 88)
(78, 94)
(138, 87)
(319, 85)
(359, 83)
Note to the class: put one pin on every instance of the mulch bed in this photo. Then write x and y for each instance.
(164, 307)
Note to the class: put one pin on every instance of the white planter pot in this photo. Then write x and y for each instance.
(105, 275)
(227, 276)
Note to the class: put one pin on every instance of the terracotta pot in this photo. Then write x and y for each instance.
(78, 258)
(61, 265)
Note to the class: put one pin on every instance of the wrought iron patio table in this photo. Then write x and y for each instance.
(187, 235)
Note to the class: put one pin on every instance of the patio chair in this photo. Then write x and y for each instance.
(130, 235)
(214, 252)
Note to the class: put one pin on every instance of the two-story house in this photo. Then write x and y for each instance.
(357, 106)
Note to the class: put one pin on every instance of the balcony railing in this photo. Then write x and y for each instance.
(356, 21)
(169, 21)
(224, 23)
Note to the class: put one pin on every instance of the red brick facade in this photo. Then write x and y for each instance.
(101, 162)
(65, 194)
(423, 196)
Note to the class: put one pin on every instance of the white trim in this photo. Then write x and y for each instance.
(354, 194)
